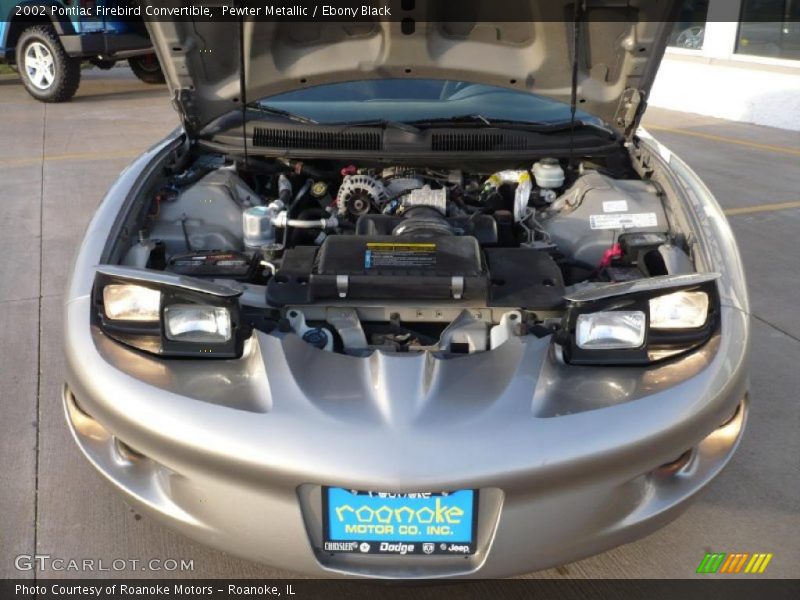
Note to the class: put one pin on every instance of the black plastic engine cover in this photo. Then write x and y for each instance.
(392, 268)
(381, 268)
(525, 278)
(482, 227)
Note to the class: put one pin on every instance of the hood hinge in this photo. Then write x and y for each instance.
(183, 101)
(630, 111)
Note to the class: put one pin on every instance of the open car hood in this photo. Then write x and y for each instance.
(620, 45)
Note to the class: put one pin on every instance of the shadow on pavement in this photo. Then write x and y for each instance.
(146, 93)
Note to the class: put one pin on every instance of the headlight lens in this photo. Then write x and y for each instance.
(197, 323)
(129, 302)
(679, 310)
(613, 330)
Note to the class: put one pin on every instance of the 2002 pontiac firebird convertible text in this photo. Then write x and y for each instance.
(401, 303)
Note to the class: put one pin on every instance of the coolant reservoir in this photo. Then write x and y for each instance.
(548, 174)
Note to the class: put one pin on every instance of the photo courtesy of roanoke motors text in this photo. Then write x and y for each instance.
(306, 298)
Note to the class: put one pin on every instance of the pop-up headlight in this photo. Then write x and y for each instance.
(168, 315)
(639, 322)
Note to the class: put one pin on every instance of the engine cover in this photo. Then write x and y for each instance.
(386, 268)
(481, 227)
(382, 268)
(598, 209)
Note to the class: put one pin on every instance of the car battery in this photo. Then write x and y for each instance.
(214, 263)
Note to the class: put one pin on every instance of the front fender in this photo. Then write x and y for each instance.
(714, 246)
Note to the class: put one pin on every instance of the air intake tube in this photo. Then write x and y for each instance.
(423, 221)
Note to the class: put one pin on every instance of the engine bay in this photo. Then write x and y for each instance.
(358, 257)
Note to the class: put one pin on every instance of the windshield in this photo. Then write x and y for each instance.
(410, 100)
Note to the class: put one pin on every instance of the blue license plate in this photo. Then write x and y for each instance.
(384, 523)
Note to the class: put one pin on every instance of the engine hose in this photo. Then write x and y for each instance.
(309, 214)
(302, 192)
(190, 177)
(311, 223)
(284, 190)
(282, 221)
(291, 206)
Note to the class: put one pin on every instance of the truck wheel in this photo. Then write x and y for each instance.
(47, 71)
(147, 68)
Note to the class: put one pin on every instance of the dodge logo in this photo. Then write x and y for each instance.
(427, 548)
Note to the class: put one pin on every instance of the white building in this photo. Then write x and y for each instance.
(735, 59)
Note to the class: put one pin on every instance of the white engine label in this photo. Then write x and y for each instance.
(620, 221)
(615, 206)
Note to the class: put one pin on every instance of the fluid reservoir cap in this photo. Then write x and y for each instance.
(316, 337)
(548, 173)
(319, 189)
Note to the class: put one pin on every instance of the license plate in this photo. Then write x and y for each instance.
(383, 523)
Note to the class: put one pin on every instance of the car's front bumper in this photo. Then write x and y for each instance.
(568, 461)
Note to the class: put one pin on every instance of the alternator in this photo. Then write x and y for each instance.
(358, 194)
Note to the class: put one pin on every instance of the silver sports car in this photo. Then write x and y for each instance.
(410, 299)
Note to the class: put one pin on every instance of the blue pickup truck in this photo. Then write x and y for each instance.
(46, 41)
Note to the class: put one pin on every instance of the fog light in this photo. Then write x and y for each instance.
(679, 310)
(128, 302)
(197, 323)
(613, 330)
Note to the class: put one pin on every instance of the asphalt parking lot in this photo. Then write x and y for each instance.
(57, 161)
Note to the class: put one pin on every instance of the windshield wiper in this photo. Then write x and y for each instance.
(470, 118)
(278, 112)
(537, 127)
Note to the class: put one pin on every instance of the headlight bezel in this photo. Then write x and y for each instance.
(659, 344)
(151, 336)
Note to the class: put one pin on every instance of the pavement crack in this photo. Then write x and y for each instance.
(39, 349)
(14, 300)
(775, 327)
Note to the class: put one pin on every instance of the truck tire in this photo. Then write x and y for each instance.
(47, 71)
(147, 69)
